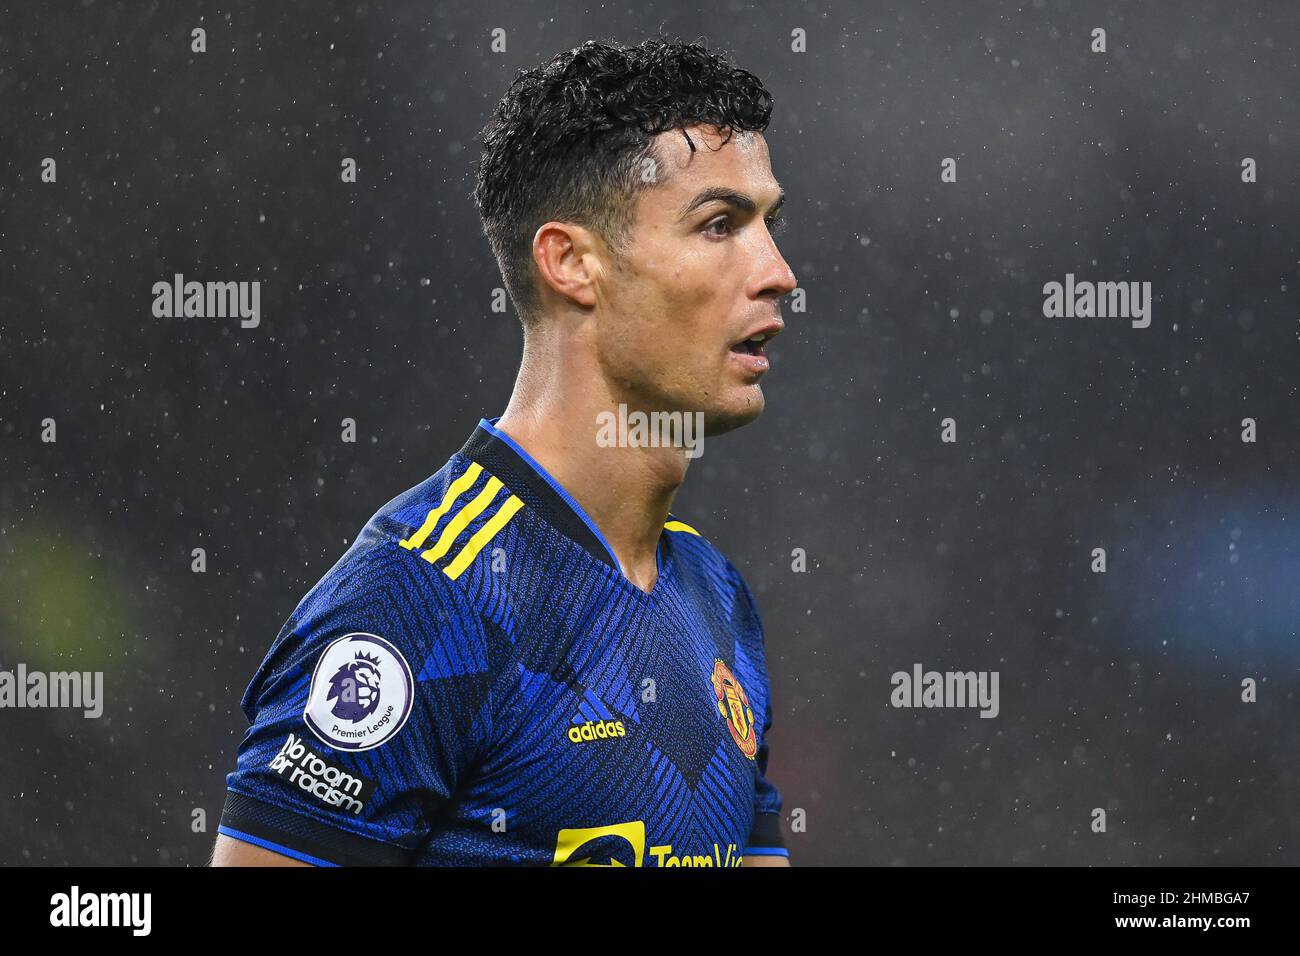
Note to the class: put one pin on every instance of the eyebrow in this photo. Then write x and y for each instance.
(732, 198)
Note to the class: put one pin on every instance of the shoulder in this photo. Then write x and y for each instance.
(383, 602)
(430, 536)
(386, 576)
(700, 557)
(704, 566)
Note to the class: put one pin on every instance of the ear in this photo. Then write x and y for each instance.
(568, 259)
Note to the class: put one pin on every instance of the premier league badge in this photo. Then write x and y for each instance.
(361, 693)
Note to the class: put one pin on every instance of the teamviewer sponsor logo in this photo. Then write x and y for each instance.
(309, 771)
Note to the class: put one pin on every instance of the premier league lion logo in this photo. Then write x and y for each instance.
(346, 706)
(355, 688)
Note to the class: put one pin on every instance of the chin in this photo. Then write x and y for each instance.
(719, 421)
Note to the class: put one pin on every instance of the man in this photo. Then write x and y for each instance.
(526, 658)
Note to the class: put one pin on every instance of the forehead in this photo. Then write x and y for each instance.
(740, 163)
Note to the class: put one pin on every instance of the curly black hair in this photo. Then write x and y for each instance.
(568, 140)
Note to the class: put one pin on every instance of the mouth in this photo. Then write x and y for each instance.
(752, 346)
(752, 351)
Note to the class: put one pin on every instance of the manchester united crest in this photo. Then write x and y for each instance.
(733, 705)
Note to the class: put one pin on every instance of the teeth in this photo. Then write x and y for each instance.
(757, 339)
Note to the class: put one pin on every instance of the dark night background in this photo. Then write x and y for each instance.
(1118, 690)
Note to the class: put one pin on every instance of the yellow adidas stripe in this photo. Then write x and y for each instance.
(454, 491)
(482, 537)
(459, 523)
(681, 526)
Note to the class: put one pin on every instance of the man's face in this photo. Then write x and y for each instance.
(700, 277)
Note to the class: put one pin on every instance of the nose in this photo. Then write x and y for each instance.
(775, 277)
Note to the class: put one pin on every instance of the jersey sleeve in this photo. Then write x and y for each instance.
(765, 837)
(366, 712)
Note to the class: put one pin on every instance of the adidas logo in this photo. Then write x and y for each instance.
(596, 730)
(594, 721)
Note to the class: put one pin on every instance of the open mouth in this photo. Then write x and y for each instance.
(752, 345)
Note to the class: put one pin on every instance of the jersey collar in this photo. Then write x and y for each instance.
(502, 456)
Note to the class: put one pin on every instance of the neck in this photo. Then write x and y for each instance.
(626, 491)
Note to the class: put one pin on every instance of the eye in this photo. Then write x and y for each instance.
(775, 225)
(725, 220)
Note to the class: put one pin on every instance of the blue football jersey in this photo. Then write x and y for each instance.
(476, 682)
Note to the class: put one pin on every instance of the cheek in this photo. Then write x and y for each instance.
(692, 293)
(671, 317)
